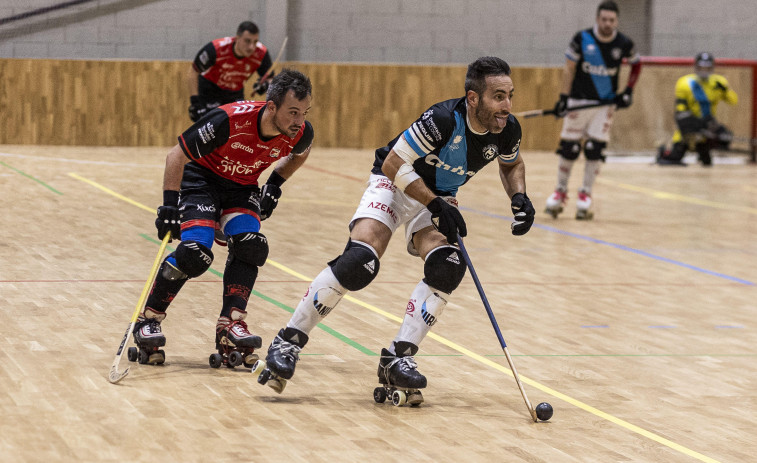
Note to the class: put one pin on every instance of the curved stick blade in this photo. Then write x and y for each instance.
(115, 376)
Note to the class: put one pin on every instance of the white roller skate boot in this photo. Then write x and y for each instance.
(149, 338)
(556, 202)
(583, 206)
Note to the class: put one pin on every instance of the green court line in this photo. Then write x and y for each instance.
(281, 305)
(32, 178)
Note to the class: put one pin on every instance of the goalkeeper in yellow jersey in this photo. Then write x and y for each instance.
(697, 98)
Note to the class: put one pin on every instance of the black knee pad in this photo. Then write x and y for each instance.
(193, 258)
(356, 267)
(250, 247)
(569, 149)
(444, 269)
(593, 150)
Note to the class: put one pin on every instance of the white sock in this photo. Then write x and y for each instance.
(591, 170)
(323, 295)
(563, 173)
(425, 306)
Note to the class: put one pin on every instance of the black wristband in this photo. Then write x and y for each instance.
(170, 198)
(276, 179)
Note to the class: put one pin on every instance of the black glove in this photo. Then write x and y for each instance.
(524, 212)
(168, 215)
(625, 99)
(719, 86)
(561, 107)
(269, 199)
(197, 108)
(261, 86)
(447, 219)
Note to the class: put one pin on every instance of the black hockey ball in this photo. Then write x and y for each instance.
(544, 411)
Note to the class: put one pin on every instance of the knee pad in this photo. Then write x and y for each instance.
(250, 247)
(192, 258)
(569, 149)
(356, 267)
(593, 150)
(444, 268)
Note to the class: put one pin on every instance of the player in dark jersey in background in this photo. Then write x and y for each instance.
(211, 176)
(590, 76)
(222, 66)
(413, 182)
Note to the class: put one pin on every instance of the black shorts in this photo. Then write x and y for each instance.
(205, 198)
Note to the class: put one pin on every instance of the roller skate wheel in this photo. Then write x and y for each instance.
(379, 395)
(415, 398)
(277, 384)
(158, 357)
(235, 359)
(258, 367)
(132, 354)
(250, 360)
(143, 357)
(265, 375)
(399, 398)
(215, 360)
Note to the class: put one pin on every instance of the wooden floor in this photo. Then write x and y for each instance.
(638, 327)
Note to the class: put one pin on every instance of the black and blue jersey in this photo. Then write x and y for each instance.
(449, 152)
(598, 64)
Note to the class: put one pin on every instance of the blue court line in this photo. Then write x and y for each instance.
(621, 247)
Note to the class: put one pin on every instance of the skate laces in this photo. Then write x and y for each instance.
(153, 326)
(405, 364)
(288, 350)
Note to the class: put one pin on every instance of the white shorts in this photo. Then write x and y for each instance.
(384, 202)
(592, 123)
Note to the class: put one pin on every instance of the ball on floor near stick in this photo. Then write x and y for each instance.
(544, 411)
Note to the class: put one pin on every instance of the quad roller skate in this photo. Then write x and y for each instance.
(399, 377)
(583, 206)
(556, 202)
(234, 342)
(149, 339)
(283, 355)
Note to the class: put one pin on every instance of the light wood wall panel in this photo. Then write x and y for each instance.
(144, 103)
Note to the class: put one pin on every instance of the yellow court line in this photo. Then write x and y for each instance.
(468, 353)
(676, 197)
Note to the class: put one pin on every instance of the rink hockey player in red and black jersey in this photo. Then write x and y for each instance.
(211, 182)
(221, 68)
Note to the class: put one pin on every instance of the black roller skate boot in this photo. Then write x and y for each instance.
(149, 338)
(283, 354)
(399, 376)
(234, 342)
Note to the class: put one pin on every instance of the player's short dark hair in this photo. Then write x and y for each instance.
(608, 5)
(288, 79)
(479, 70)
(248, 26)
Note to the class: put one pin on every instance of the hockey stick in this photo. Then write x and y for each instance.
(275, 62)
(116, 376)
(547, 112)
(496, 327)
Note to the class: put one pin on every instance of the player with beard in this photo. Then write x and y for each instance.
(413, 183)
(590, 76)
(211, 176)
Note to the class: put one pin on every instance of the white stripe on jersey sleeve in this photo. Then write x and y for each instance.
(417, 135)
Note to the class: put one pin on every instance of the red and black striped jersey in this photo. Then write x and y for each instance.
(227, 142)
